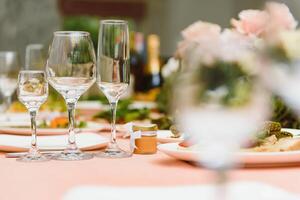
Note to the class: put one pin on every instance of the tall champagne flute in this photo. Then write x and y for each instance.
(71, 70)
(9, 69)
(32, 92)
(113, 72)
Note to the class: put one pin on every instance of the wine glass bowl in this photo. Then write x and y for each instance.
(71, 70)
(32, 92)
(113, 73)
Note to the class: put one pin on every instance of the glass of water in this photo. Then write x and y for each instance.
(71, 70)
(113, 72)
(32, 92)
(9, 69)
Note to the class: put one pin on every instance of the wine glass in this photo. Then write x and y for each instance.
(113, 72)
(35, 57)
(219, 105)
(9, 69)
(32, 92)
(71, 70)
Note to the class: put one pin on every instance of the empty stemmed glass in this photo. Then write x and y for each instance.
(113, 72)
(219, 104)
(9, 69)
(71, 70)
(32, 92)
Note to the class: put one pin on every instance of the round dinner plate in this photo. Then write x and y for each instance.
(165, 136)
(91, 127)
(96, 105)
(248, 158)
(21, 143)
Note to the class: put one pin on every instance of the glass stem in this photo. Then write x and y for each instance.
(71, 138)
(221, 184)
(33, 131)
(113, 107)
(7, 102)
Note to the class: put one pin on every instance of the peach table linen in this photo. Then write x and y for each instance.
(50, 180)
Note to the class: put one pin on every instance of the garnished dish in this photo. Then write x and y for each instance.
(56, 126)
(61, 122)
(129, 112)
(271, 138)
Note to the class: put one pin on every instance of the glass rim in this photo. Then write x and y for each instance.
(114, 21)
(31, 71)
(71, 33)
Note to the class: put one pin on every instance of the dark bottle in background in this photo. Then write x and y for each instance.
(152, 75)
(137, 59)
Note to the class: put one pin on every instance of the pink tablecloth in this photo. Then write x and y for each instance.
(50, 180)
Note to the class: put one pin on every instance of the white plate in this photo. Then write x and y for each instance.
(165, 136)
(91, 105)
(97, 105)
(91, 127)
(17, 143)
(143, 104)
(250, 158)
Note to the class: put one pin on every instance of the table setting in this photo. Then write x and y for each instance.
(219, 120)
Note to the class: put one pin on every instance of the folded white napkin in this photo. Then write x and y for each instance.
(235, 191)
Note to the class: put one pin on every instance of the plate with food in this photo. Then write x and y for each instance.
(58, 126)
(166, 136)
(272, 146)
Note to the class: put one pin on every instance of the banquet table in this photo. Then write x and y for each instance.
(51, 180)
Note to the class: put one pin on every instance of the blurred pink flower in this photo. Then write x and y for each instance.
(280, 16)
(200, 31)
(252, 22)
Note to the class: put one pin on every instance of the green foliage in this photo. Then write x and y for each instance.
(164, 98)
(278, 54)
(163, 123)
(230, 77)
(283, 114)
(125, 113)
(89, 24)
(83, 23)
(81, 53)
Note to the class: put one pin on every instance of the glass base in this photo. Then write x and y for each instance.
(113, 153)
(38, 157)
(72, 156)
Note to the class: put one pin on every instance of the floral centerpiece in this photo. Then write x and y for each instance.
(273, 28)
(222, 61)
